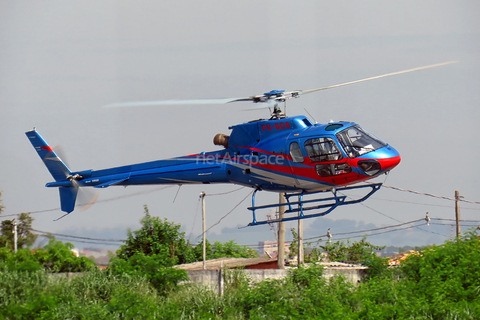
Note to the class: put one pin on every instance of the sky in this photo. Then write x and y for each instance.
(60, 62)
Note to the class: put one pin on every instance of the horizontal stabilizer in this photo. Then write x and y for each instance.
(110, 183)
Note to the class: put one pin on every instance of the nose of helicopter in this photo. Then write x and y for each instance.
(379, 161)
(388, 157)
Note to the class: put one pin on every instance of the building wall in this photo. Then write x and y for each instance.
(214, 279)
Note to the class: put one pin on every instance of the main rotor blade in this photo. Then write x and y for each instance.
(176, 102)
(377, 77)
(271, 98)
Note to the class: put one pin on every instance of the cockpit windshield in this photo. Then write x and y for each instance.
(357, 141)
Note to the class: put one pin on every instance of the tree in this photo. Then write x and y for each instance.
(357, 251)
(155, 237)
(446, 272)
(229, 249)
(152, 251)
(25, 237)
(56, 256)
(1, 205)
(311, 250)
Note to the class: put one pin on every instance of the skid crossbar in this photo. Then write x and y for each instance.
(300, 208)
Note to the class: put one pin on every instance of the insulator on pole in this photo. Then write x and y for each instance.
(427, 218)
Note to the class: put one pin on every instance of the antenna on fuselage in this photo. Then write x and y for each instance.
(310, 115)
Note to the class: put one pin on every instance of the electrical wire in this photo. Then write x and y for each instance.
(430, 195)
(381, 230)
(75, 237)
(368, 230)
(104, 200)
(455, 220)
(92, 240)
(386, 231)
(223, 193)
(383, 214)
(346, 238)
(422, 204)
(250, 193)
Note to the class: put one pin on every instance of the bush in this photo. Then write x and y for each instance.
(155, 268)
(56, 256)
(95, 295)
(447, 277)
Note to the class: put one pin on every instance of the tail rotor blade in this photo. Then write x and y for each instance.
(87, 198)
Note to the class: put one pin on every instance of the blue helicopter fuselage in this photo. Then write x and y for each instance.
(281, 155)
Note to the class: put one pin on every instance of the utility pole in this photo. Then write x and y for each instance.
(15, 236)
(281, 233)
(301, 254)
(202, 196)
(457, 211)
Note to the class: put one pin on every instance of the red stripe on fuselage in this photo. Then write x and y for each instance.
(285, 156)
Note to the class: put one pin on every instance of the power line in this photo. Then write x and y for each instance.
(104, 200)
(226, 214)
(386, 231)
(381, 230)
(368, 230)
(430, 195)
(429, 231)
(422, 204)
(75, 237)
(356, 236)
(383, 214)
(455, 220)
(223, 193)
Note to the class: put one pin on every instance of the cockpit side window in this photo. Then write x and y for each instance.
(322, 149)
(295, 152)
(357, 141)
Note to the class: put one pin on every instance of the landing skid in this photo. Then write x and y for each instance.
(333, 202)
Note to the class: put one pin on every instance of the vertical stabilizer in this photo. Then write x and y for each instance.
(58, 169)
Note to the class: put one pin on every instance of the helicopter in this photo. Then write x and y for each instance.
(289, 155)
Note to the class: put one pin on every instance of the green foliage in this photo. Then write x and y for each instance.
(23, 260)
(443, 282)
(56, 256)
(158, 245)
(358, 251)
(157, 237)
(229, 249)
(95, 295)
(152, 251)
(2, 207)
(156, 268)
(307, 276)
(25, 237)
(312, 252)
(447, 276)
